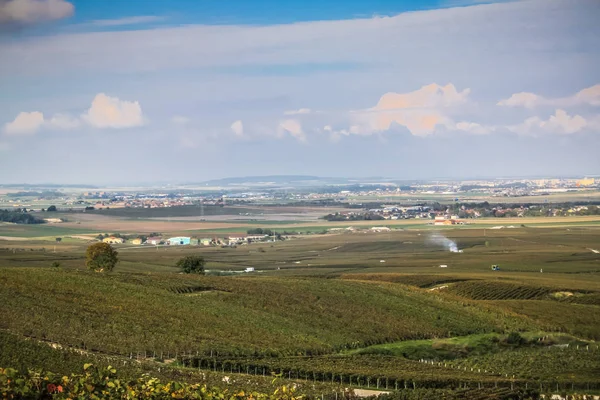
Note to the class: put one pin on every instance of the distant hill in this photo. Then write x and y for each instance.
(269, 179)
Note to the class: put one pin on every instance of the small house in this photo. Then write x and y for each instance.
(112, 240)
(137, 241)
(179, 241)
(205, 242)
(154, 240)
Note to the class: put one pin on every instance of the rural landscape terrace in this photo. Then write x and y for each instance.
(440, 288)
(300, 200)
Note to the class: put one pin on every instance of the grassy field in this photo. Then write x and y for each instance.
(358, 307)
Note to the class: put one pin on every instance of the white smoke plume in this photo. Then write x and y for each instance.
(440, 240)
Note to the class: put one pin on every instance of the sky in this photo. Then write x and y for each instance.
(137, 91)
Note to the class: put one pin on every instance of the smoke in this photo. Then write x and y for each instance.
(440, 240)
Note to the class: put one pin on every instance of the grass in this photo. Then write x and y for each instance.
(467, 346)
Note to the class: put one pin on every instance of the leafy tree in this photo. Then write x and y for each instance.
(58, 240)
(191, 264)
(101, 257)
(51, 208)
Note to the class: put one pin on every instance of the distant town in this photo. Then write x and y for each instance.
(354, 194)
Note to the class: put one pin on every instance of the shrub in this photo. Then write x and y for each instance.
(191, 265)
(515, 338)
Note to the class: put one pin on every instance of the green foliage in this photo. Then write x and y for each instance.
(51, 209)
(104, 383)
(19, 217)
(55, 264)
(260, 231)
(191, 265)
(101, 257)
(515, 338)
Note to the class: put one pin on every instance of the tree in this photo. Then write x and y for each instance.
(51, 208)
(58, 240)
(191, 265)
(101, 257)
(55, 264)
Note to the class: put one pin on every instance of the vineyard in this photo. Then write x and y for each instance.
(556, 364)
(286, 317)
(421, 281)
(494, 290)
(380, 372)
(405, 326)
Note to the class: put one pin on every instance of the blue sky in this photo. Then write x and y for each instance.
(250, 12)
(212, 89)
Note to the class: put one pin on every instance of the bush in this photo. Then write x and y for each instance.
(101, 257)
(515, 338)
(55, 264)
(191, 265)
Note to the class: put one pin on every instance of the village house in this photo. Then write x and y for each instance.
(113, 240)
(154, 240)
(179, 241)
(136, 241)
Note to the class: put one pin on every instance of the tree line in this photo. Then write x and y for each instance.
(19, 217)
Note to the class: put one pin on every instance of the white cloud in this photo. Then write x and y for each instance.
(105, 112)
(428, 96)
(26, 123)
(496, 34)
(420, 111)
(298, 112)
(587, 96)
(110, 112)
(523, 99)
(237, 128)
(30, 11)
(180, 120)
(292, 127)
(473, 127)
(559, 123)
(63, 122)
(141, 19)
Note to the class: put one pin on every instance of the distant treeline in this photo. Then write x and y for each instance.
(353, 217)
(19, 217)
(41, 195)
(503, 186)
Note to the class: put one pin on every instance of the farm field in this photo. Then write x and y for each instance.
(388, 310)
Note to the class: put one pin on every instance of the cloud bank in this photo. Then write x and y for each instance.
(588, 96)
(105, 112)
(32, 11)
